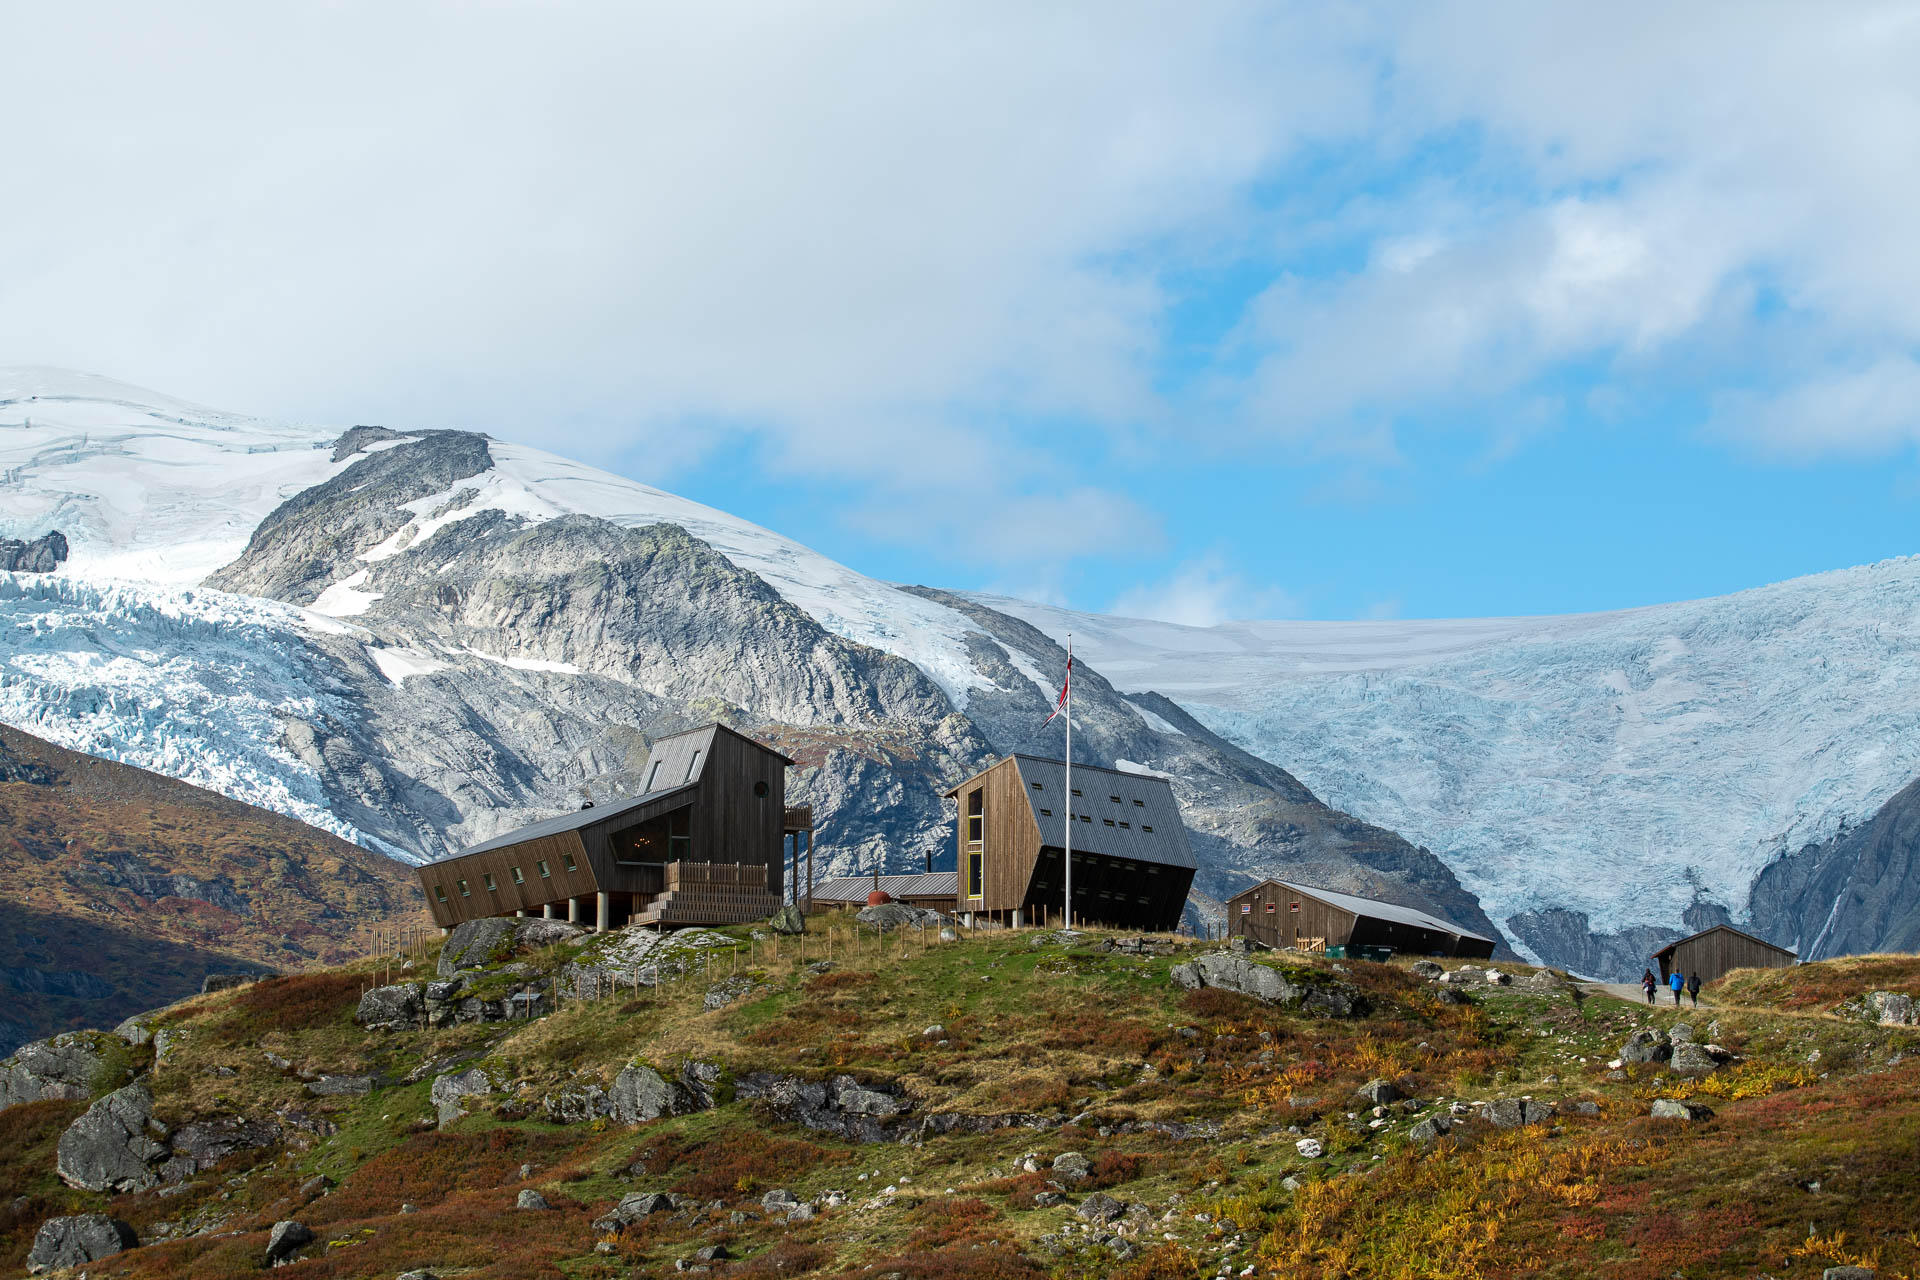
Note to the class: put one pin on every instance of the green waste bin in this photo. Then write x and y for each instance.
(1336, 953)
(1378, 954)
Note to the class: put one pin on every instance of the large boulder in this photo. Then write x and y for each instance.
(78, 1240)
(789, 920)
(64, 1068)
(864, 1112)
(1680, 1109)
(1513, 1113)
(396, 1008)
(450, 1092)
(889, 916)
(114, 1146)
(634, 1207)
(479, 943)
(1690, 1059)
(1231, 972)
(640, 1094)
(287, 1239)
(1649, 1044)
(1892, 1009)
(202, 1144)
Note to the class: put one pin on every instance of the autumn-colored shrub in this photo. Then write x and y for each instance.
(743, 1163)
(297, 1002)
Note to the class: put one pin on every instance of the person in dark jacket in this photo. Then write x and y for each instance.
(1647, 984)
(1693, 987)
(1679, 983)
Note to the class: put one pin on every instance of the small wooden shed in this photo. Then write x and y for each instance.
(1716, 952)
(933, 890)
(1284, 915)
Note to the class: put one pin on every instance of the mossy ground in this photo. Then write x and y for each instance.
(1086, 1032)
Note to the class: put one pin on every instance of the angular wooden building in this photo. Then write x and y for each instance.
(931, 890)
(707, 842)
(1716, 952)
(1132, 864)
(1283, 915)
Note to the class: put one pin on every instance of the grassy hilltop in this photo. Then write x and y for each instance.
(1188, 1106)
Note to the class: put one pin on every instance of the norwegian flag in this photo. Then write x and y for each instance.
(1065, 687)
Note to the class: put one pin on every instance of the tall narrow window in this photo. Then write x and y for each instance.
(680, 836)
(440, 892)
(544, 872)
(653, 775)
(566, 860)
(464, 891)
(517, 877)
(491, 886)
(976, 817)
(693, 766)
(976, 873)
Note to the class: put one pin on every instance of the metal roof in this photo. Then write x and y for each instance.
(681, 755)
(931, 884)
(1668, 949)
(1373, 907)
(1107, 799)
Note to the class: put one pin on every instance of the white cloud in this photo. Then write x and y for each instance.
(1203, 593)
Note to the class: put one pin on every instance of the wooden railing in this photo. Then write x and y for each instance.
(719, 875)
(799, 817)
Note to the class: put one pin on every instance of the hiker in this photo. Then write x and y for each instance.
(1679, 984)
(1693, 987)
(1646, 982)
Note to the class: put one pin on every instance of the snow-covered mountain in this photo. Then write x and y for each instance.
(1639, 769)
(419, 639)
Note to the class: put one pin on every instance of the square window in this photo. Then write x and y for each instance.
(1038, 787)
(517, 877)
(491, 886)
(542, 864)
(1046, 813)
(566, 860)
(440, 892)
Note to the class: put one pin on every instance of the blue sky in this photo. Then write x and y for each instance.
(1245, 310)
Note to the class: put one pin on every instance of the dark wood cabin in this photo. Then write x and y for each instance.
(1132, 864)
(933, 890)
(1282, 915)
(1716, 952)
(705, 843)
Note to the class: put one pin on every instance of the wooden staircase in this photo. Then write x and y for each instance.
(707, 893)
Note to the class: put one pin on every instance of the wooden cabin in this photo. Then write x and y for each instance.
(932, 890)
(707, 842)
(1716, 952)
(1132, 864)
(1283, 915)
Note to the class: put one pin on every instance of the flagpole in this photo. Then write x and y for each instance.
(1067, 800)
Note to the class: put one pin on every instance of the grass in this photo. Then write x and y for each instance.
(1103, 1036)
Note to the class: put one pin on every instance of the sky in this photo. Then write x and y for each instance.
(1184, 311)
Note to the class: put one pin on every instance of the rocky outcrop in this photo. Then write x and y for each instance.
(78, 1240)
(1888, 1008)
(1649, 1044)
(286, 1240)
(450, 1092)
(116, 1146)
(889, 916)
(63, 1067)
(1513, 1113)
(1303, 989)
(1850, 893)
(476, 944)
(843, 1105)
(43, 555)
(397, 1008)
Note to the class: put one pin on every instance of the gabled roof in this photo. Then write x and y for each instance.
(1372, 907)
(1774, 946)
(931, 884)
(682, 756)
(1044, 783)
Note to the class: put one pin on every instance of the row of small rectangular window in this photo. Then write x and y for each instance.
(1048, 813)
(566, 860)
(1138, 804)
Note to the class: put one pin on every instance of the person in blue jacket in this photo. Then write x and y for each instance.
(1679, 984)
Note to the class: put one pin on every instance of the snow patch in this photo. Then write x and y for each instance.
(344, 599)
(397, 664)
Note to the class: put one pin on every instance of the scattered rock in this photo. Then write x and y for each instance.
(1048, 1199)
(318, 1185)
(631, 1209)
(1447, 995)
(640, 1094)
(789, 920)
(1547, 980)
(1847, 1273)
(78, 1240)
(1310, 1148)
(1891, 1009)
(1379, 1092)
(531, 1199)
(421, 1274)
(1584, 1107)
(1428, 969)
(1512, 1113)
(450, 1092)
(113, 1146)
(1679, 1109)
(1649, 1044)
(864, 1112)
(1690, 1059)
(729, 991)
(1100, 1207)
(342, 1086)
(1432, 1128)
(889, 916)
(1071, 1166)
(286, 1240)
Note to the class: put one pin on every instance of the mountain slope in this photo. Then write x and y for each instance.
(124, 889)
(1640, 768)
(422, 639)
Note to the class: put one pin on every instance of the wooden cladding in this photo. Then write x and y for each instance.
(515, 876)
(1718, 951)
